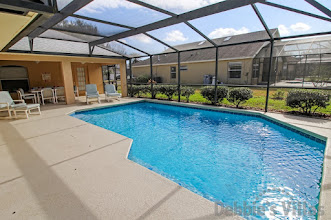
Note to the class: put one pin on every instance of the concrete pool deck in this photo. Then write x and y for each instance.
(55, 166)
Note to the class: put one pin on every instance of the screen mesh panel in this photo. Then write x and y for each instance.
(145, 43)
(89, 27)
(121, 12)
(103, 52)
(291, 23)
(181, 37)
(22, 44)
(123, 49)
(228, 25)
(179, 7)
(63, 35)
(300, 5)
(62, 3)
(60, 46)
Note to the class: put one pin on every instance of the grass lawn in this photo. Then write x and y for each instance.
(257, 102)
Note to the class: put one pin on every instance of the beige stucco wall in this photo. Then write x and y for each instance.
(62, 71)
(195, 72)
(35, 70)
(93, 75)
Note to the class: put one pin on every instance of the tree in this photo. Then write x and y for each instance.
(78, 25)
(116, 47)
(135, 60)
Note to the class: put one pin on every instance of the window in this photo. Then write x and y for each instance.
(183, 68)
(256, 68)
(235, 69)
(227, 38)
(173, 72)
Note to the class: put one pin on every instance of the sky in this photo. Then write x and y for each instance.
(233, 22)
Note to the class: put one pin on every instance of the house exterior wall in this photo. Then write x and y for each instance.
(35, 70)
(195, 72)
(63, 71)
(93, 74)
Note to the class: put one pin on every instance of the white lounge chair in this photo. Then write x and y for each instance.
(26, 96)
(59, 94)
(110, 92)
(47, 94)
(91, 92)
(9, 105)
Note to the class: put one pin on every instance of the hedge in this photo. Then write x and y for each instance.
(187, 92)
(208, 93)
(168, 90)
(240, 95)
(308, 101)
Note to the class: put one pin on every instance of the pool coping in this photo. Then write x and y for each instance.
(324, 202)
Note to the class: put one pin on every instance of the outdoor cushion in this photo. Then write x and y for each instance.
(110, 90)
(47, 93)
(91, 89)
(20, 105)
(91, 92)
(5, 98)
(3, 106)
(113, 94)
(60, 91)
(27, 106)
(92, 96)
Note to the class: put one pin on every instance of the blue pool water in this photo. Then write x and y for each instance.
(236, 160)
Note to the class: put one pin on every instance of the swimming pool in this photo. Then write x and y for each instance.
(240, 161)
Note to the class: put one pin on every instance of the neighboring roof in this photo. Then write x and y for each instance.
(224, 53)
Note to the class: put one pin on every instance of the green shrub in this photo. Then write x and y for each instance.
(143, 78)
(187, 92)
(308, 101)
(278, 95)
(208, 93)
(138, 90)
(240, 95)
(133, 90)
(168, 90)
(156, 90)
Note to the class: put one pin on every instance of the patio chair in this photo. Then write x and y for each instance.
(47, 94)
(59, 94)
(91, 92)
(110, 92)
(8, 104)
(26, 96)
